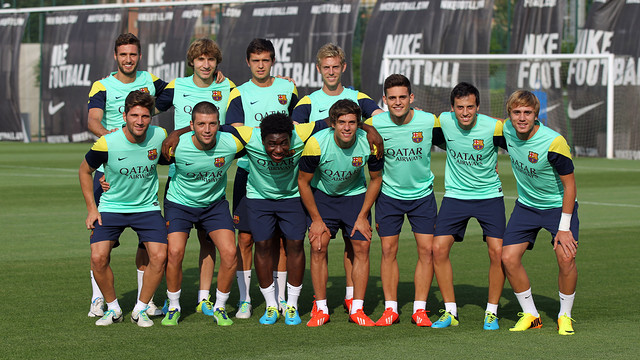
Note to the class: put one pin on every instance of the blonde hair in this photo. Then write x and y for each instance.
(330, 50)
(523, 98)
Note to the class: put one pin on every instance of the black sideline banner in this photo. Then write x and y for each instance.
(11, 29)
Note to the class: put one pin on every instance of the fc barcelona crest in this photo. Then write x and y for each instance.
(219, 162)
(417, 137)
(282, 99)
(144, 90)
(478, 144)
(152, 154)
(236, 219)
(356, 161)
(533, 157)
(216, 95)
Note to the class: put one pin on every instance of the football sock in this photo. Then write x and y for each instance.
(244, 281)
(451, 308)
(115, 306)
(280, 279)
(349, 292)
(95, 288)
(566, 304)
(356, 305)
(269, 294)
(174, 299)
(525, 299)
(492, 308)
(322, 306)
(221, 299)
(294, 293)
(139, 306)
(140, 276)
(419, 305)
(391, 304)
(203, 295)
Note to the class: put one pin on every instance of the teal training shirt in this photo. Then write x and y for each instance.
(316, 106)
(472, 156)
(201, 175)
(537, 164)
(407, 155)
(130, 170)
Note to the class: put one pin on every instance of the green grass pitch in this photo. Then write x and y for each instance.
(45, 288)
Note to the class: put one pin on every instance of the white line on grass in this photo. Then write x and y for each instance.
(37, 168)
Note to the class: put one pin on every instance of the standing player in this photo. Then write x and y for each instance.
(331, 63)
(106, 104)
(332, 163)
(203, 56)
(542, 165)
(407, 188)
(196, 196)
(130, 159)
(472, 189)
(249, 104)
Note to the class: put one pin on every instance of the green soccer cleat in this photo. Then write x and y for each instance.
(205, 307)
(446, 320)
(172, 317)
(565, 327)
(527, 321)
(221, 317)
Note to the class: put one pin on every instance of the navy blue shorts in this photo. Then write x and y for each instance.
(420, 212)
(455, 214)
(339, 212)
(149, 226)
(271, 217)
(240, 212)
(525, 223)
(181, 218)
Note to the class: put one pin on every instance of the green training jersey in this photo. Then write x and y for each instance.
(472, 156)
(130, 170)
(316, 106)
(337, 171)
(201, 175)
(407, 154)
(537, 164)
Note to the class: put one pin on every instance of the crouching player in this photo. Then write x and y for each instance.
(332, 163)
(196, 196)
(130, 159)
(542, 165)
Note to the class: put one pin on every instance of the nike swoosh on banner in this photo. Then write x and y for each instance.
(576, 113)
(549, 109)
(55, 109)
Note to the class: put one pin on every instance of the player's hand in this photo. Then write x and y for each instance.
(170, 143)
(219, 77)
(104, 184)
(113, 130)
(92, 217)
(362, 224)
(287, 78)
(376, 144)
(316, 230)
(565, 240)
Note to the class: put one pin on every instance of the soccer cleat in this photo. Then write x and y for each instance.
(165, 307)
(152, 309)
(445, 320)
(314, 308)
(421, 318)
(205, 307)
(244, 310)
(141, 318)
(96, 308)
(172, 317)
(388, 318)
(109, 317)
(527, 321)
(565, 327)
(291, 316)
(318, 318)
(221, 317)
(270, 316)
(346, 304)
(490, 321)
(282, 307)
(360, 318)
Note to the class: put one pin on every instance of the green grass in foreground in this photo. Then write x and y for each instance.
(45, 289)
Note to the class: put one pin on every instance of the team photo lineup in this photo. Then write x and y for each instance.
(300, 175)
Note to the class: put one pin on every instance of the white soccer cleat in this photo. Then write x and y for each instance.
(153, 310)
(244, 310)
(109, 318)
(141, 318)
(97, 308)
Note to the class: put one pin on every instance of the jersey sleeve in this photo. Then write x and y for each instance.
(98, 154)
(559, 156)
(235, 111)
(305, 131)
(374, 163)
(232, 85)
(367, 105)
(242, 134)
(294, 100)
(302, 111)
(438, 134)
(158, 83)
(97, 96)
(498, 136)
(164, 101)
(310, 158)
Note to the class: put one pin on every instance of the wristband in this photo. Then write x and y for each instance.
(565, 222)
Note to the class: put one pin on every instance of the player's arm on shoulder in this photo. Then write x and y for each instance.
(171, 142)
(219, 76)
(368, 106)
(164, 100)
(438, 135)
(498, 135)
(242, 134)
(373, 189)
(158, 84)
(306, 130)
(376, 143)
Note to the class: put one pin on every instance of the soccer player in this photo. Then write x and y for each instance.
(407, 188)
(249, 104)
(472, 189)
(542, 165)
(331, 63)
(333, 189)
(106, 104)
(203, 56)
(196, 196)
(130, 159)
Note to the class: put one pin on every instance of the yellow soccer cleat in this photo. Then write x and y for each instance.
(565, 327)
(527, 321)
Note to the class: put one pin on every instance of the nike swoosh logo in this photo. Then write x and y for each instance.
(253, 102)
(576, 113)
(450, 140)
(118, 97)
(386, 139)
(120, 159)
(326, 162)
(187, 164)
(550, 108)
(185, 95)
(54, 109)
(323, 110)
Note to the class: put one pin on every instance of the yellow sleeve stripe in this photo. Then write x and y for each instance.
(245, 132)
(295, 90)
(232, 85)
(362, 95)
(153, 77)
(560, 146)
(436, 122)
(304, 130)
(369, 121)
(96, 88)
(100, 145)
(234, 94)
(171, 85)
(304, 101)
(498, 129)
(312, 148)
(239, 145)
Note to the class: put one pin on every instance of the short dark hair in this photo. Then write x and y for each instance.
(139, 98)
(344, 107)
(464, 89)
(394, 80)
(277, 123)
(257, 46)
(204, 107)
(127, 39)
